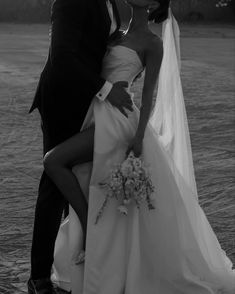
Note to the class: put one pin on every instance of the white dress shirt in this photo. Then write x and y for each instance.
(103, 93)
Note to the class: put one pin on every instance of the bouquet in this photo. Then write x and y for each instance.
(129, 183)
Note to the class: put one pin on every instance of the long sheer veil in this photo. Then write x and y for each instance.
(169, 116)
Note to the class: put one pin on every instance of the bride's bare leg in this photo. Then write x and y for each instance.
(58, 164)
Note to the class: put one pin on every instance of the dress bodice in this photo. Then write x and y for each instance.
(121, 64)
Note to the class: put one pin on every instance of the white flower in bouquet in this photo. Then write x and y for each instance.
(137, 163)
(129, 182)
(126, 169)
(123, 209)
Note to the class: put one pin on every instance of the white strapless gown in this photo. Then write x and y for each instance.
(169, 250)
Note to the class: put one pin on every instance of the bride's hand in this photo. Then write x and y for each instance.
(136, 146)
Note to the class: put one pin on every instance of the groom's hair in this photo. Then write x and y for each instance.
(161, 13)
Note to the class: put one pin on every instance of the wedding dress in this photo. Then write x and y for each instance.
(169, 250)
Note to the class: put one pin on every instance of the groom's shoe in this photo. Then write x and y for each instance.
(42, 286)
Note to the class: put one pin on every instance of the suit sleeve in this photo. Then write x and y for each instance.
(66, 55)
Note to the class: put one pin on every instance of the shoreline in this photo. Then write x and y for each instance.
(188, 30)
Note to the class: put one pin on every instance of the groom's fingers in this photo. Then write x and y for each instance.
(130, 103)
(119, 98)
(123, 84)
(128, 106)
(123, 111)
(127, 102)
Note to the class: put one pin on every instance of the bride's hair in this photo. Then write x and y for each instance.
(161, 13)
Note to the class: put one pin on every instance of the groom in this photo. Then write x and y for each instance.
(70, 79)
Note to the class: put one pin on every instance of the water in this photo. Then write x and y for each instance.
(208, 81)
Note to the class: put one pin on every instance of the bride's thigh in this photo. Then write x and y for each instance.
(76, 150)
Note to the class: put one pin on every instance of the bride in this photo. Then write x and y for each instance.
(169, 250)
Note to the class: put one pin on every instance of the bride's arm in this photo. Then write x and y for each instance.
(153, 59)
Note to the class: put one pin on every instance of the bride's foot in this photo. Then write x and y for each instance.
(81, 257)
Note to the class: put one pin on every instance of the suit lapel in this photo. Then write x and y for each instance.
(116, 13)
(105, 15)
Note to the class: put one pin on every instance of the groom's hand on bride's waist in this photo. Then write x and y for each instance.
(119, 97)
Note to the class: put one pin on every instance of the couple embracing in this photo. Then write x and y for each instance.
(90, 122)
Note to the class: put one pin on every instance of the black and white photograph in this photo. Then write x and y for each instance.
(117, 146)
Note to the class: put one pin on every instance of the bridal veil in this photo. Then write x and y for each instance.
(169, 118)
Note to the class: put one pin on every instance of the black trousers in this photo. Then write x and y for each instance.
(50, 202)
(48, 214)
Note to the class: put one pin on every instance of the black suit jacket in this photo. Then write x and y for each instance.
(71, 76)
